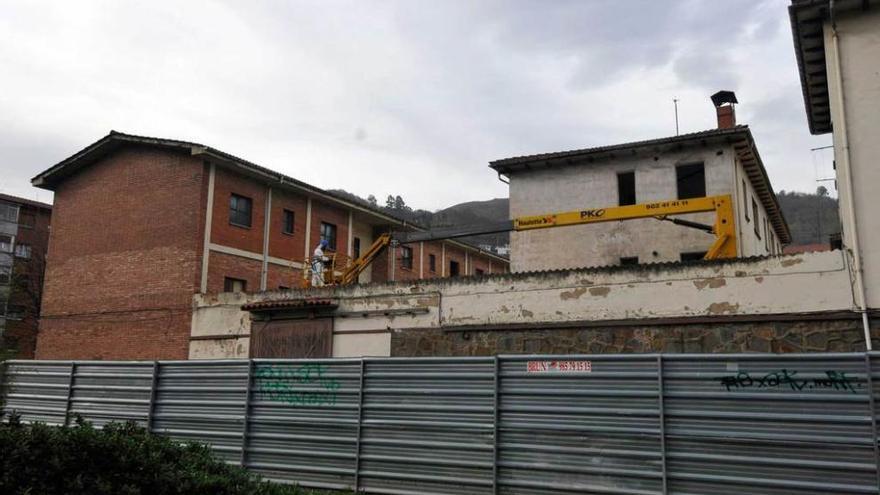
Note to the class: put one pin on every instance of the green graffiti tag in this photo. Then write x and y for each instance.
(306, 385)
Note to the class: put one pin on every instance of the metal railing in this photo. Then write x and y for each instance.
(604, 424)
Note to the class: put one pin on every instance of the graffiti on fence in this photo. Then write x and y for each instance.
(305, 385)
(833, 380)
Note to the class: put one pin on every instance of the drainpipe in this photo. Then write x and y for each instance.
(861, 303)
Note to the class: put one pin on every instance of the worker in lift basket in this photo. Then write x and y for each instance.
(318, 260)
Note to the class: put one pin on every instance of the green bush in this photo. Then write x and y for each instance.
(118, 459)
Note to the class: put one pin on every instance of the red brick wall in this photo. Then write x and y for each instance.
(322, 212)
(282, 276)
(222, 232)
(222, 265)
(124, 258)
(287, 246)
(435, 249)
(454, 253)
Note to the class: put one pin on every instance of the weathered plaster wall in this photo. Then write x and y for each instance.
(859, 39)
(372, 317)
(594, 185)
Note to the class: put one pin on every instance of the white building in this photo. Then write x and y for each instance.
(838, 51)
(708, 163)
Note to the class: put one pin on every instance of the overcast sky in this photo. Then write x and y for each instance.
(395, 97)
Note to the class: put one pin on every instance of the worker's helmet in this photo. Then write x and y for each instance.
(324, 243)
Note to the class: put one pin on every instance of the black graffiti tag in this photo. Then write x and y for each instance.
(833, 380)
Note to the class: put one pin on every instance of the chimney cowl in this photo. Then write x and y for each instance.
(723, 96)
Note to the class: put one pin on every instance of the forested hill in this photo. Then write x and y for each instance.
(811, 217)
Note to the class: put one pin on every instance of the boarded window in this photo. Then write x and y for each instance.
(406, 257)
(690, 181)
(240, 210)
(304, 338)
(234, 285)
(288, 219)
(629, 260)
(626, 188)
(755, 216)
(453, 269)
(432, 263)
(328, 233)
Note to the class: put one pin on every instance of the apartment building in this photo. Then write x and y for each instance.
(24, 237)
(143, 224)
(721, 161)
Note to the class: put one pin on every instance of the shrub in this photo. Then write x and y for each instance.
(121, 458)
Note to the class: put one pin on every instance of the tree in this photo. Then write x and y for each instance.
(822, 191)
(372, 200)
(399, 204)
(389, 202)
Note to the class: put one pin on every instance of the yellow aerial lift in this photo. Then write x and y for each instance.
(723, 229)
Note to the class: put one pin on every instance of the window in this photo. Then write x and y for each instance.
(287, 220)
(5, 273)
(432, 263)
(766, 234)
(234, 285)
(6, 243)
(356, 247)
(239, 210)
(626, 188)
(406, 257)
(745, 200)
(15, 312)
(693, 256)
(328, 233)
(755, 216)
(629, 261)
(283, 287)
(478, 271)
(23, 251)
(26, 220)
(8, 213)
(690, 180)
(453, 269)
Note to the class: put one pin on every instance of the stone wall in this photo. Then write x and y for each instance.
(833, 335)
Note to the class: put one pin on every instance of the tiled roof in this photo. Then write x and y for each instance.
(49, 178)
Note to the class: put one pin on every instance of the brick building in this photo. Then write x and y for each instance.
(24, 238)
(142, 224)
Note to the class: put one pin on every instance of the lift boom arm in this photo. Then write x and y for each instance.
(723, 228)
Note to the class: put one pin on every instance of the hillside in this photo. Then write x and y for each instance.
(811, 217)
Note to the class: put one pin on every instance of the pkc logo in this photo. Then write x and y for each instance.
(592, 213)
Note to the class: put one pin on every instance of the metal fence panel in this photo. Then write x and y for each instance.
(518, 425)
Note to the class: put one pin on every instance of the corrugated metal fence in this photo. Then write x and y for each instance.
(603, 424)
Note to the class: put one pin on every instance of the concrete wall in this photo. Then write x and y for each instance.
(859, 40)
(369, 317)
(595, 186)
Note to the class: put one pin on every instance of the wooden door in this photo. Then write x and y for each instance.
(304, 338)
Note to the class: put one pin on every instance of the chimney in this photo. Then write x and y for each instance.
(724, 101)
